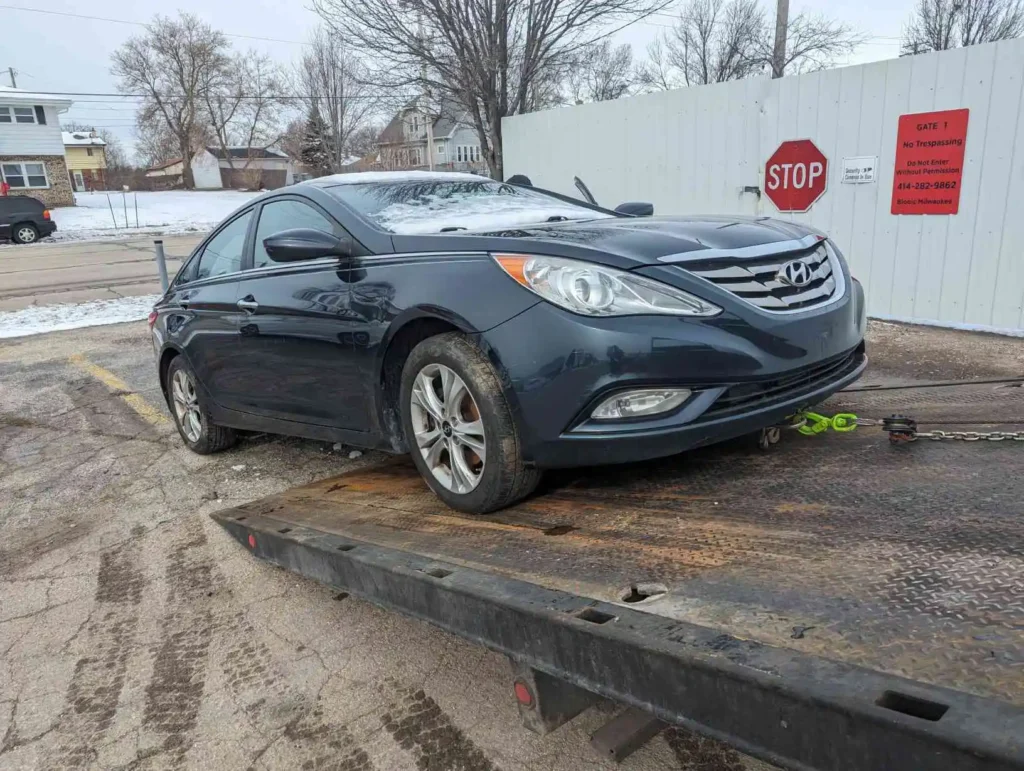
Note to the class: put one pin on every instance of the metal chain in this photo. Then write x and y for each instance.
(970, 436)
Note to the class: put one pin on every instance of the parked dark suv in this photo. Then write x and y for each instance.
(24, 220)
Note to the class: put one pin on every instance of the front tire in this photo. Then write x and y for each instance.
(24, 233)
(459, 427)
(190, 413)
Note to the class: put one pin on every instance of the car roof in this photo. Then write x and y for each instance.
(21, 202)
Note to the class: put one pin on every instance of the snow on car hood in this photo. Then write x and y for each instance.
(431, 214)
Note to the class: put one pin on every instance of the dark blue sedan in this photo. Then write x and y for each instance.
(496, 330)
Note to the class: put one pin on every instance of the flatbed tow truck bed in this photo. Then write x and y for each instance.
(834, 603)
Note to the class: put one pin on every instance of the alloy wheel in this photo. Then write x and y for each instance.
(186, 405)
(449, 431)
(26, 235)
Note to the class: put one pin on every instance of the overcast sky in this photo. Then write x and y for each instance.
(60, 53)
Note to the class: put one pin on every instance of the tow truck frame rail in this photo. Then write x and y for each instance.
(797, 710)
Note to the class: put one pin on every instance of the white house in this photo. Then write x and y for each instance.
(254, 167)
(205, 172)
(249, 167)
(32, 147)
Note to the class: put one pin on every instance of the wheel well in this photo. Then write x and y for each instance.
(401, 345)
(25, 222)
(165, 363)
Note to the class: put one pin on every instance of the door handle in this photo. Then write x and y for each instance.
(247, 305)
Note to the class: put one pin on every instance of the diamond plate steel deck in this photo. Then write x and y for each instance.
(908, 560)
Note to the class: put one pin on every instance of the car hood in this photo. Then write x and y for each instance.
(634, 242)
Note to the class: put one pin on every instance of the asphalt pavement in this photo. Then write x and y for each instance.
(135, 633)
(78, 271)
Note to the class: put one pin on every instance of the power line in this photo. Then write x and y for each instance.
(235, 96)
(140, 24)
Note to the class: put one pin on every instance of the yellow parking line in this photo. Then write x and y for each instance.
(145, 410)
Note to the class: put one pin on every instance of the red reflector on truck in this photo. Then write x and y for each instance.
(523, 695)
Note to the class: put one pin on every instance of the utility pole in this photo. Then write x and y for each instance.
(781, 28)
(428, 110)
(11, 71)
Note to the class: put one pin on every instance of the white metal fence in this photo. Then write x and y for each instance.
(694, 150)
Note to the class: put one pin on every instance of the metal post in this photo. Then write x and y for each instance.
(161, 263)
(112, 217)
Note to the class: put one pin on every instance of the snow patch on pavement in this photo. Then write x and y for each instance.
(52, 318)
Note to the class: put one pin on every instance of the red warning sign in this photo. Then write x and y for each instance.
(929, 162)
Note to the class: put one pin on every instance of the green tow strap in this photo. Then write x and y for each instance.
(818, 424)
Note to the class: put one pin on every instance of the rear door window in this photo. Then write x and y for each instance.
(223, 253)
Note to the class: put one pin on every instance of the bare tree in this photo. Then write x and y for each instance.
(657, 72)
(172, 65)
(600, 72)
(938, 25)
(720, 40)
(291, 138)
(154, 142)
(244, 105)
(486, 55)
(813, 42)
(333, 83)
(715, 41)
(363, 140)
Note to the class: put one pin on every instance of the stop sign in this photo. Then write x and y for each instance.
(795, 175)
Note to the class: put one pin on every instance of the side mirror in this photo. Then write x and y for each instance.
(305, 244)
(635, 208)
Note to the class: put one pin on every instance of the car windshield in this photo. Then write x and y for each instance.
(440, 205)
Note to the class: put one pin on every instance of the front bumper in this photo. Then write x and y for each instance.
(748, 370)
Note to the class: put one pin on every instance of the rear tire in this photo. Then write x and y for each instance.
(190, 413)
(24, 233)
(461, 434)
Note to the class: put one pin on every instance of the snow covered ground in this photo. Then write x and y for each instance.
(164, 212)
(51, 318)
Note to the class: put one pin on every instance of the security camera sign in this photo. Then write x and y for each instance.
(860, 169)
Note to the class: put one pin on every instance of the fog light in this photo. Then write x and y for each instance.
(640, 403)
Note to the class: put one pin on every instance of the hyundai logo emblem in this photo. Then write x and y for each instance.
(795, 273)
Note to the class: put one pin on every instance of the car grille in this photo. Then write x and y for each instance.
(746, 396)
(754, 279)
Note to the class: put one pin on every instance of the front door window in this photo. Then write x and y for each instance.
(79, 182)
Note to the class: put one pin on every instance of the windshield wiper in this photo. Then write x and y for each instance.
(450, 228)
(557, 218)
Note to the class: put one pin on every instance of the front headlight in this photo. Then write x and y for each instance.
(596, 290)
